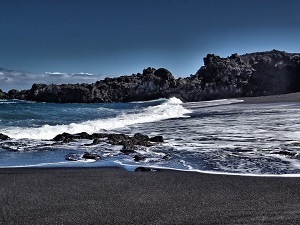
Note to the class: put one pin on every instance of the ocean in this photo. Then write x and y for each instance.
(221, 136)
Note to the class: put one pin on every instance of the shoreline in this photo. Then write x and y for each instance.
(148, 168)
(152, 169)
(291, 97)
(116, 196)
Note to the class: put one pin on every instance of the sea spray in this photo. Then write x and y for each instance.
(171, 108)
(223, 136)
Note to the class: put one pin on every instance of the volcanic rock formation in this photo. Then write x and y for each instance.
(255, 74)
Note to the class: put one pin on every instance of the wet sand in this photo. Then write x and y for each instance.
(292, 97)
(116, 196)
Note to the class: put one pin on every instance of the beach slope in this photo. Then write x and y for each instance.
(116, 196)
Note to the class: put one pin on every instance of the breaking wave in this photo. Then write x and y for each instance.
(171, 108)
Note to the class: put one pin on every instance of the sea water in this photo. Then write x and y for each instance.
(222, 136)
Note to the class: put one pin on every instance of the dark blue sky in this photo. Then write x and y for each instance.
(115, 37)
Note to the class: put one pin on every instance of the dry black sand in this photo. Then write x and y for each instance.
(116, 196)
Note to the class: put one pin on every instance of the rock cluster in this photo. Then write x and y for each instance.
(255, 74)
(4, 137)
(111, 138)
(85, 156)
(129, 143)
(3, 95)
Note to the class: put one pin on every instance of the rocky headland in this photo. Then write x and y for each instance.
(255, 74)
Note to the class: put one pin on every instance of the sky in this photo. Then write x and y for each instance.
(121, 37)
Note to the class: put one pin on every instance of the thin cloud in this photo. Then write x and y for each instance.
(11, 79)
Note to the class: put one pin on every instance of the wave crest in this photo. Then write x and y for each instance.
(172, 108)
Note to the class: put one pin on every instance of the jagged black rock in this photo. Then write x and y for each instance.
(255, 74)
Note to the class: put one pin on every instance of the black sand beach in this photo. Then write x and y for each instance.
(292, 97)
(116, 196)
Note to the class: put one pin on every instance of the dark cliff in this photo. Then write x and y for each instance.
(255, 74)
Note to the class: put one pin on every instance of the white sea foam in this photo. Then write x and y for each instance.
(3, 101)
(172, 108)
(214, 103)
(219, 137)
(155, 100)
(157, 167)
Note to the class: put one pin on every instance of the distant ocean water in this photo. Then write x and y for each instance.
(215, 136)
